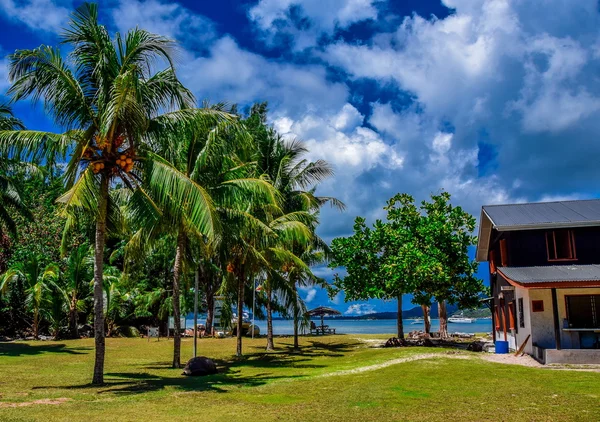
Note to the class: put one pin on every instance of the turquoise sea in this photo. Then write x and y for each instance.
(380, 326)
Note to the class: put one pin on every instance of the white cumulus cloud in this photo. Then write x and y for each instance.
(305, 20)
(164, 18)
(44, 15)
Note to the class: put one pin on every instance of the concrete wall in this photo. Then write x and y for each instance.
(572, 356)
(523, 332)
(542, 323)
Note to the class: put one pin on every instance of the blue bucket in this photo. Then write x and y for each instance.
(501, 347)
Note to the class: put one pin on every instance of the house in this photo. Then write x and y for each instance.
(544, 261)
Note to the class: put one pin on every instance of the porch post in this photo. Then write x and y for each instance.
(556, 319)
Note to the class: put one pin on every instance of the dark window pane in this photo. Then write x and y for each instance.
(564, 248)
(582, 311)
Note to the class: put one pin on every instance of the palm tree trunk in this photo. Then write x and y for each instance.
(443, 315)
(73, 317)
(36, 317)
(210, 304)
(177, 267)
(196, 285)
(427, 322)
(296, 344)
(98, 274)
(270, 345)
(400, 322)
(240, 309)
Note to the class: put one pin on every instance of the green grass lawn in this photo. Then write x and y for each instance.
(283, 386)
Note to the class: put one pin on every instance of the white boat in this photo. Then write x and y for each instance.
(461, 320)
(418, 321)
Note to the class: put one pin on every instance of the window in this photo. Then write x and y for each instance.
(503, 253)
(521, 314)
(560, 245)
(511, 315)
(583, 311)
(497, 317)
(537, 306)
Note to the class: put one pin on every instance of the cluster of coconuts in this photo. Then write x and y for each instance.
(98, 161)
(97, 166)
(125, 162)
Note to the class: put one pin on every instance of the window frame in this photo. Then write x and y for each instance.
(572, 248)
(521, 312)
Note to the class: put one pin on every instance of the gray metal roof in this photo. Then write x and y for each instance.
(544, 215)
(553, 273)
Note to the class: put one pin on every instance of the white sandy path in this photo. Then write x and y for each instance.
(395, 362)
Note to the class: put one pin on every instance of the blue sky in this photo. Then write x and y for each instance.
(493, 100)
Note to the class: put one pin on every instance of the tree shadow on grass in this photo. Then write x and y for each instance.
(314, 349)
(128, 383)
(28, 349)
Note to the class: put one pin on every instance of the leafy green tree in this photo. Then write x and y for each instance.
(36, 280)
(446, 233)
(418, 250)
(362, 255)
(406, 261)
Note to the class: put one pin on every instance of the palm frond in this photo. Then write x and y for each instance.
(174, 190)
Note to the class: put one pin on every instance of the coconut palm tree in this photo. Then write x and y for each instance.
(36, 280)
(255, 244)
(111, 101)
(206, 154)
(283, 162)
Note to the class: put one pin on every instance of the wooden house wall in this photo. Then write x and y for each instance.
(527, 248)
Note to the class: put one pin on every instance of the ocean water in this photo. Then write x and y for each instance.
(380, 326)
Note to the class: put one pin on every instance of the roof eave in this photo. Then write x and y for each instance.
(484, 236)
(553, 284)
(542, 226)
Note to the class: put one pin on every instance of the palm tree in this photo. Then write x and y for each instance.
(204, 154)
(116, 299)
(296, 179)
(10, 197)
(110, 103)
(36, 280)
(311, 254)
(253, 246)
(74, 286)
